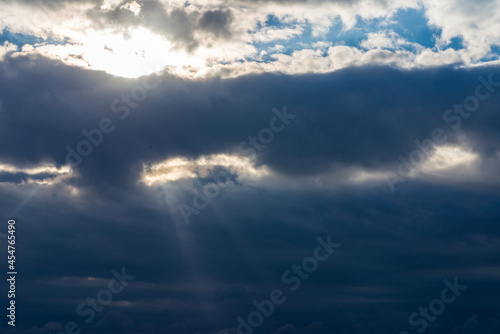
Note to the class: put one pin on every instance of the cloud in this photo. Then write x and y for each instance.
(333, 109)
(217, 22)
(190, 37)
(477, 23)
(358, 105)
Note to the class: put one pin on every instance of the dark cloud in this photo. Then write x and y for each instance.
(209, 273)
(348, 118)
(176, 24)
(396, 248)
(24, 177)
(217, 21)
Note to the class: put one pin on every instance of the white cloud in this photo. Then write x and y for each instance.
(477, 22)
(378, 40)
(133, 7)
(267, 35)
(6, 48)
(132, 50)
(438, 58)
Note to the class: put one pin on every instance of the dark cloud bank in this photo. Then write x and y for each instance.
(397, 248)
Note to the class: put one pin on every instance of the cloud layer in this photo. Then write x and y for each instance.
(325, 175)
(200, 38)
(266, 126)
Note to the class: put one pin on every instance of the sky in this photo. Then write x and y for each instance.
(229, 167)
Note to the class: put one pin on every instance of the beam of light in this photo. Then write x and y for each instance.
(57, 175)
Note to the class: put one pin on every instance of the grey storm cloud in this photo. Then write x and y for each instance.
(74, 230)
(384, 271)
(396, 248)
(359, 118)
(177, 24)
(217, 22)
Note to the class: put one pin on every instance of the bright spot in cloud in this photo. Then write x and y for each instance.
(449, 157)
(140, 53)
(133, 6)
(35, 170)
(363, 176)
(181, 168)
(51, 173)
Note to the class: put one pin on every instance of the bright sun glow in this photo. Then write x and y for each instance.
(449, 157)
(140, 53)
(58, 174)
(180, 168)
